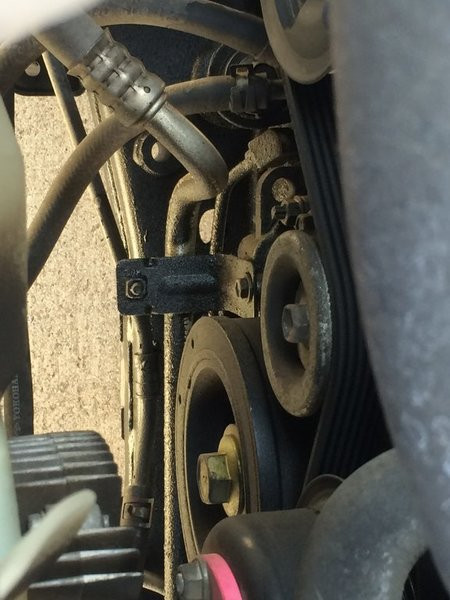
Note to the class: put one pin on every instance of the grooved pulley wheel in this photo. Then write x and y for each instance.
(234, 447)
(296, 327)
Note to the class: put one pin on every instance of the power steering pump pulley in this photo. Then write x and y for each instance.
(235, 446)
(296, 327)
(298, 34)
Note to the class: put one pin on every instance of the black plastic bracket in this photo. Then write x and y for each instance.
(186, 284)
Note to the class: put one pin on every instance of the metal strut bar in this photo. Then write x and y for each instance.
(347, 435)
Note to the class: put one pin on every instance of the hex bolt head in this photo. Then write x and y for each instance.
(295, 323)
(135, 289)
(192, 581)
(213, 478)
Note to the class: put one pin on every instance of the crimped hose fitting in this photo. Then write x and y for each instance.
(121, 81)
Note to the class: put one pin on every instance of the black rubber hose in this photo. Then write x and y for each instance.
(391, 65)
(204, 95)
(210, 20)
(68, 187)
(366, 539)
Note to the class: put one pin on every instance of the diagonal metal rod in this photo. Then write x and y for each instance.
(77, 133)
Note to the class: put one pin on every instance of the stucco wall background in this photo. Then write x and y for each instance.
(74, 324)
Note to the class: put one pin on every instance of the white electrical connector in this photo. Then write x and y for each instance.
(21, 17)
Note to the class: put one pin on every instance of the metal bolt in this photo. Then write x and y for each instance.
(135, 289)
(295, 323)
(34, 69)
(192, 581)
(244, 287)
(159, 152)
(213, 478)
(219, 476)
(283, 189)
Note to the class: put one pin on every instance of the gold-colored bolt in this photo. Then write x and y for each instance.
(213, 478)
(219, 477)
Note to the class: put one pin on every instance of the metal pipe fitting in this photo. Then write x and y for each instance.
(121, 81)
(366, 539)
(137, 97)
(394, 134)
(107, 69)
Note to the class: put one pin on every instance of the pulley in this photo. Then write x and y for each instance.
(234, 444)
(296, 327)
(298, 34)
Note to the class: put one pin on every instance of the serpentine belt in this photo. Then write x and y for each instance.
(351, 428)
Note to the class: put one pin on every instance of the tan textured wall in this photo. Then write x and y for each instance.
(74, 325)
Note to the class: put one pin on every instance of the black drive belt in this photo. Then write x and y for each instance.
(351, 428)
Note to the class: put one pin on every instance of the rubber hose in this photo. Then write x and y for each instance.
(204, 95)
(68, 187)
(366, 539)
(391, 65)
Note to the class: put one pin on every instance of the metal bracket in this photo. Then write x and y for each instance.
(186, 284)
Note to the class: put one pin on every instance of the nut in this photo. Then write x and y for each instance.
(192, 581)
(213, 478)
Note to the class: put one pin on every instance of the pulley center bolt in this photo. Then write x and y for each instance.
(295, 323)
(213, 477)
(219, 474)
